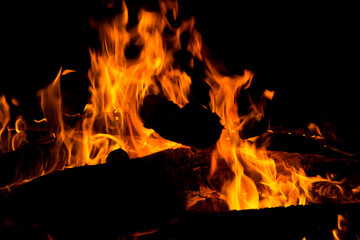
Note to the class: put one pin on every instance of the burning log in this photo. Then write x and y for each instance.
(296, 222)
(34, 159)
(342, 175)
(305, 141)
(28, 162)
(126, 195)
(192, 125)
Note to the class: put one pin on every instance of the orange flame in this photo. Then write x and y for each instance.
(257, 183)
(4, 120)
(11, 137)
(118, 86)
(339, 233)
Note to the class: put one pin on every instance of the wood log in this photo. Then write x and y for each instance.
(296, 222)
(34, 158)
(192, 125)
(125, 195)
(303, 141)
(94, 202)
(341, 175)
(28, 162)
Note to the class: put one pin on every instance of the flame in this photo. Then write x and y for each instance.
(339, 233)
(315, 130)
(118, 86)
(11, 137)
(257, 182)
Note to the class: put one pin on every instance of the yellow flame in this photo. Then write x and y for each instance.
(258, 181)
(118, 86)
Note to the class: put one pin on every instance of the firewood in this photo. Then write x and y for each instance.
(28, 162)
(192, 125)
(34, 159)
(128, 196)
(296, 222)
(302, 141)
(125, 195)
(117, 156)
(315, 164)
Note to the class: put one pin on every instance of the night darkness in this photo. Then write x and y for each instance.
(308, 54)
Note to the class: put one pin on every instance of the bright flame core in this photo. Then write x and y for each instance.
(257, 182)
(119, 85)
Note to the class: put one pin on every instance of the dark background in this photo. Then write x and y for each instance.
(306, 52)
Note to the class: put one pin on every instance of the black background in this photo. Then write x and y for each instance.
(306, 52)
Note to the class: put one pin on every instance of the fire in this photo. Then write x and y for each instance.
(257, 182)
(4, 120)
(339, 233)
(118, 86)
(11, 137)
(111, 118)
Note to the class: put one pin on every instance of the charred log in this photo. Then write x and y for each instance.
(125, 196)
(34, 158)
(30, 161)
(303, 141)
(192, 125)
(297, 222)
(96, 202)
(341, 175)
(117, 157)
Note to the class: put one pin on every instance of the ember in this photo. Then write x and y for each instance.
(162, 139)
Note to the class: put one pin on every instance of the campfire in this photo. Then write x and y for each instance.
(162, 142)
